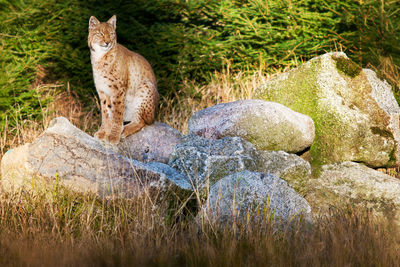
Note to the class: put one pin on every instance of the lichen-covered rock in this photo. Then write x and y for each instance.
(355, 114)
(206, 160)
(241, 194)
(351, 183)
(289, 167)
(267, 125)
(153, 143)
(77, 160)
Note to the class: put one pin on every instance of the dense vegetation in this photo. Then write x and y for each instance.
(44, 41)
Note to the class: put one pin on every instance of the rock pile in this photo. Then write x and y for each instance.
(240, 155)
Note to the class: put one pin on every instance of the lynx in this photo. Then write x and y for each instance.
(125, 82)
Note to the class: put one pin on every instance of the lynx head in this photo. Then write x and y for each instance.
(102, 35)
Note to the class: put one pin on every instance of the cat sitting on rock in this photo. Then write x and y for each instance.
(125, 82)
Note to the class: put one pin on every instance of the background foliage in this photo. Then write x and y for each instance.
(44, 41)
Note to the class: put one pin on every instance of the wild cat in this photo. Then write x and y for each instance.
(124, 80)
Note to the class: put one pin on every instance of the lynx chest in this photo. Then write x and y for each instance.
(102, 84)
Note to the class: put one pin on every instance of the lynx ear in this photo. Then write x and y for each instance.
(93, 22)
(113, 21)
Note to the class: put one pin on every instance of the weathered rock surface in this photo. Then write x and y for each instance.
(289, 167)
(80, 161)
(355, 113)
(153, 143)
(351, 183)
(203, 159)
(267, 125)
(241, 194)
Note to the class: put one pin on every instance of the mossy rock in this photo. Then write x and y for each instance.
(355, 114)
(267, 125)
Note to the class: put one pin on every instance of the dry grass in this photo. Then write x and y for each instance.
(224, 87)
(70, 229)
(63, 103)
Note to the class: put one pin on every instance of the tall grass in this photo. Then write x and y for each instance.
(69, 229)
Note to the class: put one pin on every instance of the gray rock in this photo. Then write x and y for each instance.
(354, 184)
(205, 161)
(355, 113)
(267, 125)
(75, 159)
(240, 195)
(153, 143)
(289, 167)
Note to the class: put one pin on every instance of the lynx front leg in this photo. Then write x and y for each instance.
(105, 105)
(142, 109)
(117, 111)
(134, 126)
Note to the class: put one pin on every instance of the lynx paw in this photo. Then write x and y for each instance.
(100, 134)
(113, 139)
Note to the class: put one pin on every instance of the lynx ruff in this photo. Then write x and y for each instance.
(125, 82)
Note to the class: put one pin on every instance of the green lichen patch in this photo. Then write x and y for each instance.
(267, 136)
(347, 66)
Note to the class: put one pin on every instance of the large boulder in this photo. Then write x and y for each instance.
(355, 113)
(154, 142)
(205, 161)
(346, 184)
(267, 125)
(77, 160)
(250, 194)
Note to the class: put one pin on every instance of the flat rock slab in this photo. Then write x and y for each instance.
(355, 114)
(154, 142)
(246, 194)
(67, 154)
(267, 125)
(352, 184)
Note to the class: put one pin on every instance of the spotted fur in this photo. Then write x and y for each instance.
(125, 82)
